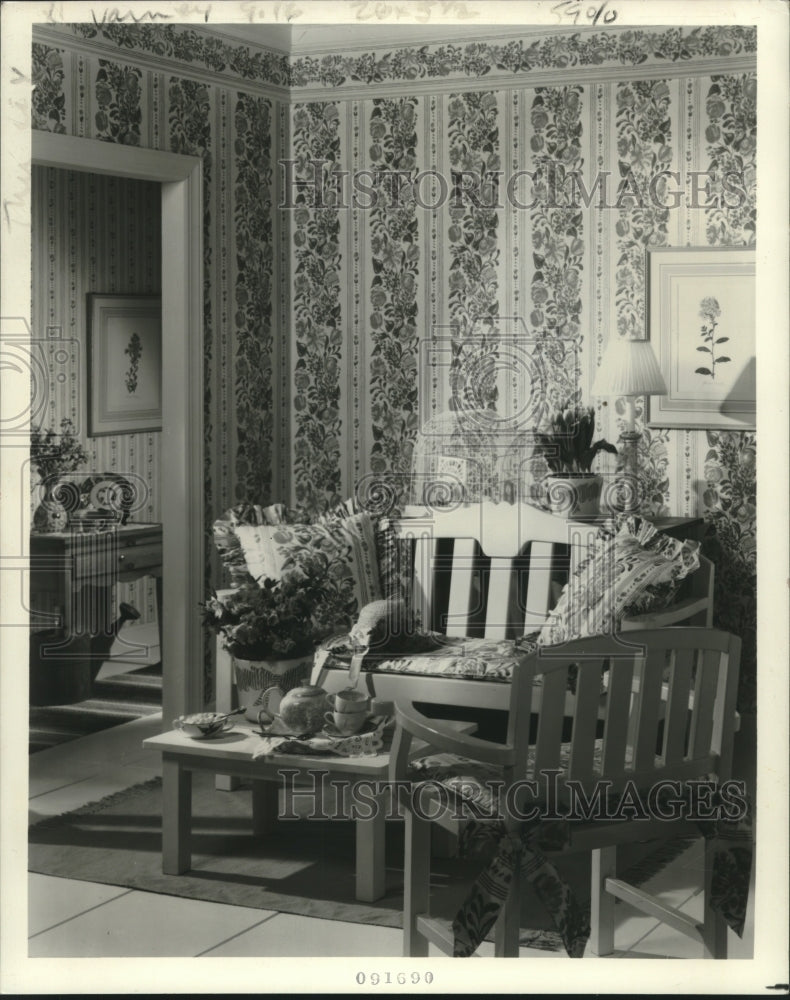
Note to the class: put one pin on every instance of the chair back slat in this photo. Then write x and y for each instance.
(550, 721)
(500, 581)
(425, 557)
(616, 716)
(724, 712)
(585, 720)
(646, 708)
(491, 546)
(705, 686)
(538, 600)
(462, 576)
(636, 698)
(677, 715)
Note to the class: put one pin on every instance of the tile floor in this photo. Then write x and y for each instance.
(70, 918)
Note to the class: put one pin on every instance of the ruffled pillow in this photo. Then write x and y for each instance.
(632, 568)
(393, 555)
(347, 545)
(226, 538)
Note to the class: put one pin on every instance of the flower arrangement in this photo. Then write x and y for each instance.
(54, 454)
(567, 446)
(279, 619)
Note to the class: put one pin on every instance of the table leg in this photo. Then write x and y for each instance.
(159, 614)
(226, 702)
(265, 807)
(371, 870)
(176, 817)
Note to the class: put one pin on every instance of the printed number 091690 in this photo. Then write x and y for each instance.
(385, 978)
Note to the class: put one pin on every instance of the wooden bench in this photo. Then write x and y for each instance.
(495, 571)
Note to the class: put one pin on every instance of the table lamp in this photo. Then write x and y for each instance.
(629, 368)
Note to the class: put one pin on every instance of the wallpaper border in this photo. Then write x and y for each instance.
(513, 62)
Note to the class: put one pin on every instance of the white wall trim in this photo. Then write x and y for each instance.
(70, 152)
(182, 372)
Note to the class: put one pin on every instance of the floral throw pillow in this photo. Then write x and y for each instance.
(347, 545)
(632, 566)
(227, 541)
(392, 554)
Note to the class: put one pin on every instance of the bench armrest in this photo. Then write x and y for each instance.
(679, 612)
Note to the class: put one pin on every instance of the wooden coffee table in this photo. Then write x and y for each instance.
(231, 754)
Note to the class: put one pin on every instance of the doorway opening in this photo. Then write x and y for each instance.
(181, 486)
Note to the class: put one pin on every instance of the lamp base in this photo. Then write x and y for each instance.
(630, 480)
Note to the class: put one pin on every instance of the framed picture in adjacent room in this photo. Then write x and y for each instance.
(125, 364)
(701, 321)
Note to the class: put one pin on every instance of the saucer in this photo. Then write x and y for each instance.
(278, 728)
(209, 736)
(331, 730)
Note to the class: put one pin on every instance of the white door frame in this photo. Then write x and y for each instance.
(181, 473)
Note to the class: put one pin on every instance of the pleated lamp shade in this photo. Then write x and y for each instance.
(629, 368)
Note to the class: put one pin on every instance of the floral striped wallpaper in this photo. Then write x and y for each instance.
(318, 311)
(575, 273)
(94, 233)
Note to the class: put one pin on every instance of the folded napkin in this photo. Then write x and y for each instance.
(364, 744)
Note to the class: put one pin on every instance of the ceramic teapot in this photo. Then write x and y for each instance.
(301, 710)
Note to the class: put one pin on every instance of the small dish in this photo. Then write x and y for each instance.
(203, 725)
(213, 734)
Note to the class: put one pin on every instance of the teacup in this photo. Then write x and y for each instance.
(349, 701)
(202, 724)
(347, 723)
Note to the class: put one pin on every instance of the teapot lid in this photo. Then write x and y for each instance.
(305, 690)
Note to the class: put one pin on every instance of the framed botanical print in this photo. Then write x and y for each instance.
(125, 361)
(701, 321)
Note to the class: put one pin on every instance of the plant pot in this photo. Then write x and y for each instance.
(50, 515)
(253, 677)
(573, 495)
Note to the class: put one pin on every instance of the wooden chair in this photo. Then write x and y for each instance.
(693, 744)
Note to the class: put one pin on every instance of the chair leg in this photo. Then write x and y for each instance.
(714, 930)
(508, 926)
(604, 865)
(416, 890)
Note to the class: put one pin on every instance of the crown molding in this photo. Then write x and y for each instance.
(360, 37)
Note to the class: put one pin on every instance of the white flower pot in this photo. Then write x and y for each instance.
(573, 495)
(253, 677)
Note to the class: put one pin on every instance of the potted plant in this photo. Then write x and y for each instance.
(568, 449)
(54, 455)
(271, 629)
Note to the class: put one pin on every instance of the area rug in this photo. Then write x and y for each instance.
(305, 867)
(115, 700)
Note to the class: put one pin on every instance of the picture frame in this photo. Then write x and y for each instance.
(701, 321)
(125, 362)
